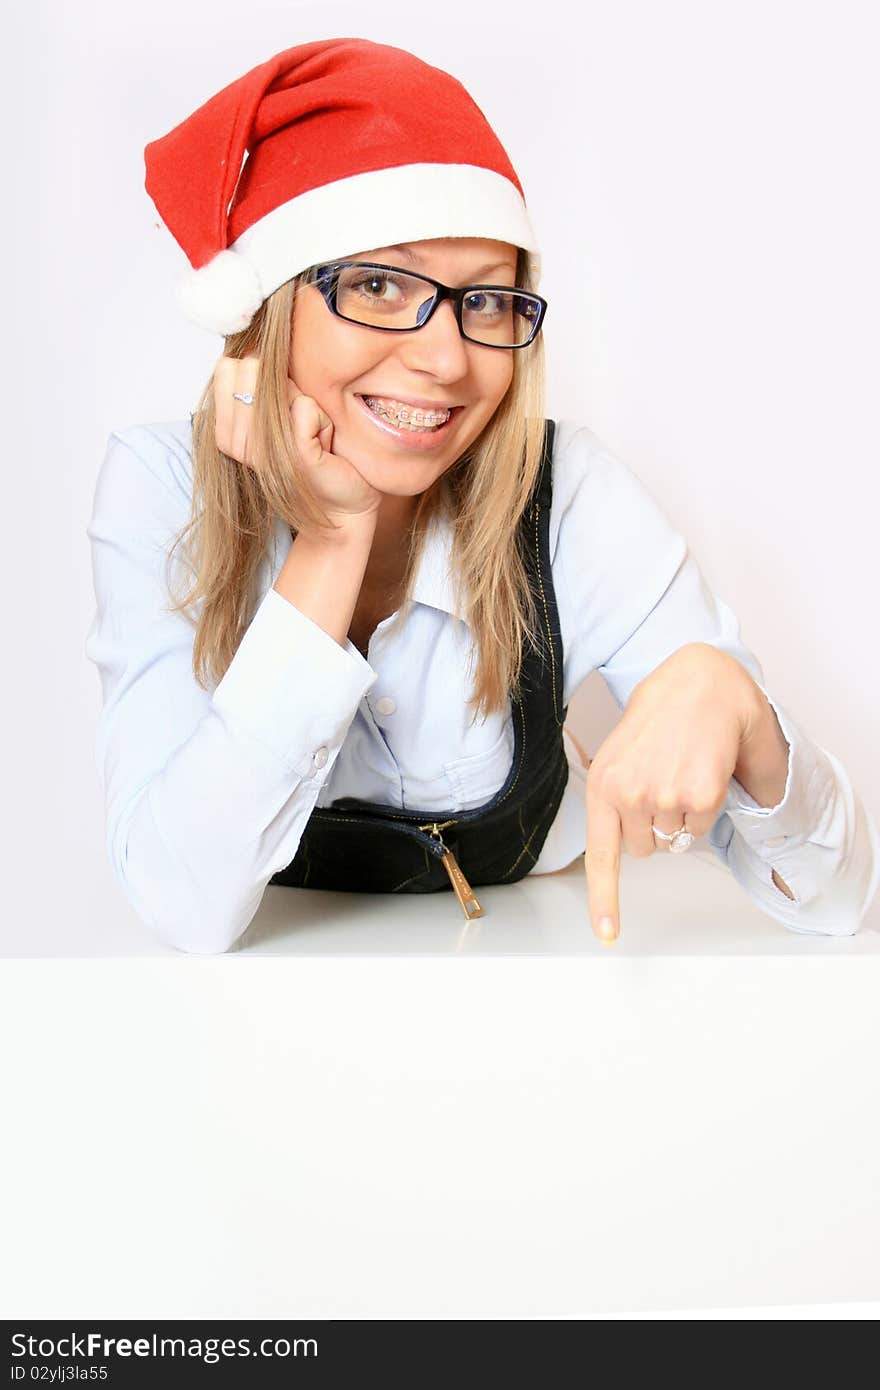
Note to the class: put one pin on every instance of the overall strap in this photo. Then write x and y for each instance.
(542, 672)
(543, 491)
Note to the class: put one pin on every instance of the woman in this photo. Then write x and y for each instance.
(400, 572)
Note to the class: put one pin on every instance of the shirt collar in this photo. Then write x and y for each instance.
(432, 584)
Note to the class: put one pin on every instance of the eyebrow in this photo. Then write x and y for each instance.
(415, 259)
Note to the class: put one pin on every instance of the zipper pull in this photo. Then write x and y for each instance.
(461, 888)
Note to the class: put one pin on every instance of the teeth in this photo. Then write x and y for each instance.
(400, 414)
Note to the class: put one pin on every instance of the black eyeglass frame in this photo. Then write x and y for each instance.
(326, 278)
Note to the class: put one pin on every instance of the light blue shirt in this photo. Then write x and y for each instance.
(207, 793)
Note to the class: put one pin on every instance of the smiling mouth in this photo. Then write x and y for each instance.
(411, 420)
(423, 418)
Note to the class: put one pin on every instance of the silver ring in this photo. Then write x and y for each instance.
(679, 840)
(244, 396)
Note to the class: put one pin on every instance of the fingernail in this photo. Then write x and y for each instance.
(607, 929)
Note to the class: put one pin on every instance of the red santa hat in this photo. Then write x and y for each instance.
(326, 150)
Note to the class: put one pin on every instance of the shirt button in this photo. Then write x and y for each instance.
(386, 705)
(321, 756)
(776, 841)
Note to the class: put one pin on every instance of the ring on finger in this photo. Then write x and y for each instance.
(679, 840)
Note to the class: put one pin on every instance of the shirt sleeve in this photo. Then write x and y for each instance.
(820, 838)
(206, 794)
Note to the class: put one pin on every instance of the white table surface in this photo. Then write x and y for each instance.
(689, 1119)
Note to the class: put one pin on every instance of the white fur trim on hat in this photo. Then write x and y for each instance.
(223, 295)
(411, 202)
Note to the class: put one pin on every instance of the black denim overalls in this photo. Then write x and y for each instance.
(367, 847)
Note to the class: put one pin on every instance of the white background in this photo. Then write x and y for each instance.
(702, 177)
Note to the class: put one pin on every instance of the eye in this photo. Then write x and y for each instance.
(368, 285)
(485, 303)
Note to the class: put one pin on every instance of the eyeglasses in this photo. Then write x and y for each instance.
(393, 300)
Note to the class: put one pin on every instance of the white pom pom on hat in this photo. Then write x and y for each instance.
(223, 295)
(324, 151)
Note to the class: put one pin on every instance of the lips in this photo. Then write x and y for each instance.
(419, 439)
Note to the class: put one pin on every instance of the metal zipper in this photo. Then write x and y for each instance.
(433, 842)
(467, 899)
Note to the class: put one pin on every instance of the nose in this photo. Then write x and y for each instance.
(438, 344)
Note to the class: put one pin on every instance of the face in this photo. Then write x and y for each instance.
(335, 362)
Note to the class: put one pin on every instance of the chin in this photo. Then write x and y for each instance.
(406, 481)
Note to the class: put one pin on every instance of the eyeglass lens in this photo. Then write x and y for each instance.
(378, 298)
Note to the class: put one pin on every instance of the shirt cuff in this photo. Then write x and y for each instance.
(293, 688)
(809, 793)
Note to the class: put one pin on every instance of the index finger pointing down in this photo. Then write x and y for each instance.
(602, 865)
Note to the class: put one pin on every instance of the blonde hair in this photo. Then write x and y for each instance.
(484, 493)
